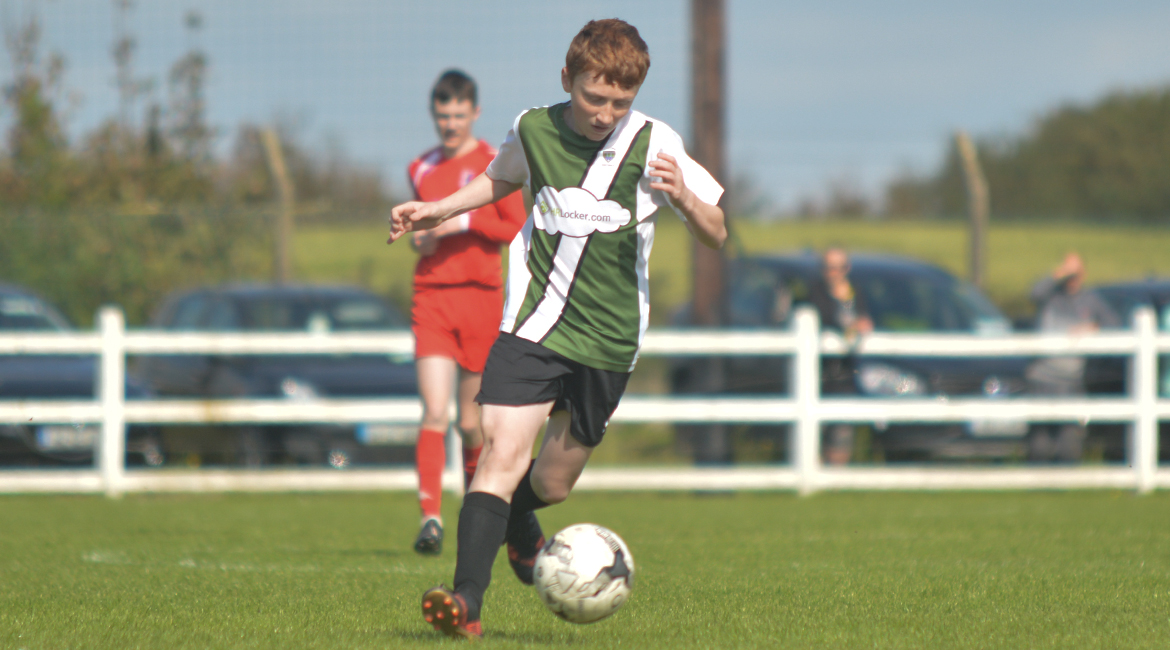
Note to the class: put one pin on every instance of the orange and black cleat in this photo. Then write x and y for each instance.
(524, 565)
(446, 611)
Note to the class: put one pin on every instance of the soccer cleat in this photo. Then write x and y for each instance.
(446, 611)
(525, 539)
(430, 538)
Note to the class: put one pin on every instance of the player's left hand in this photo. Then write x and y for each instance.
(667, 177)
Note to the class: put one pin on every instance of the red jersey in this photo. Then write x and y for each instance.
(472, 256)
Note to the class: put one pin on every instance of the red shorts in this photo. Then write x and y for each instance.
(459, 322)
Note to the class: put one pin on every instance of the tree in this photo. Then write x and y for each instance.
(1107, 160)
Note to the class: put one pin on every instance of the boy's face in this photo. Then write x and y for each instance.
(453, 121)
(595, 106)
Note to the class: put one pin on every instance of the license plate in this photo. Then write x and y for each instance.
(387, 434)
(1003, 428)
(56, 437)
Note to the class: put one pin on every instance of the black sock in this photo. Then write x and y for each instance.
(483, 521)
(523, 527)
(524, 499)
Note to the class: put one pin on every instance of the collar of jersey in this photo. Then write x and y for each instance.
(577, 140)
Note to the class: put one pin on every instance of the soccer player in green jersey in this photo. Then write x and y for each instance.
(577, 295)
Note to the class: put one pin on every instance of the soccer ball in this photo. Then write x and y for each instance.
(584, 573)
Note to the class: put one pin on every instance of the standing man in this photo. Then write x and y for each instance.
(1064, 307)
(458, 293)
(841, 308)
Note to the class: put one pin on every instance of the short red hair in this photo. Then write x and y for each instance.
(612, 49)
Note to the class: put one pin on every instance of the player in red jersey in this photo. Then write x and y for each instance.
(458, 293)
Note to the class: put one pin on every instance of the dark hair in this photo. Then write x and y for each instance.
(611, 49)
(454, 84)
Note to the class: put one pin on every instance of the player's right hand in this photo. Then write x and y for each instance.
(412, 216)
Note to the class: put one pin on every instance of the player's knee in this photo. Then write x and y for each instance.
(505, 455)
(435, 421)
(469, 425)
(550, 491)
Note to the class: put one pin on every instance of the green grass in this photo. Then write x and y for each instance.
(1018, 254)
(968, 570)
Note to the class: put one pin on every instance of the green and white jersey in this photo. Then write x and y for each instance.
(578, 276)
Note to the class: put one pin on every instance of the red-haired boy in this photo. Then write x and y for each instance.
(577, 303)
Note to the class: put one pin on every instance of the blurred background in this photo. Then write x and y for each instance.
(134, 160)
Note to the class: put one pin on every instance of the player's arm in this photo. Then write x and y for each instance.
(500, 221)
(416, 215)
(704, 220)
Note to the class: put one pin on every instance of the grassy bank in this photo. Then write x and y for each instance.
(1018, 254)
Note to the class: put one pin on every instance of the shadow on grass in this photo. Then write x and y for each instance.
(519, 638)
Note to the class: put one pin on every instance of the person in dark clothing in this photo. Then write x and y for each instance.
(1064, 307)
(844, 309)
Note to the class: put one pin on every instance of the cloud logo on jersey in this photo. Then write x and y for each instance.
(576, 213)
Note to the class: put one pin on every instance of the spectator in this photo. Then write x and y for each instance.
(841, 308)
(1063, 307)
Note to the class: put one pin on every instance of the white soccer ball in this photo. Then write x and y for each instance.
(584, 573)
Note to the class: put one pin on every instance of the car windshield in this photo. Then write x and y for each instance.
(29, 314)
(905, 302)
(1124, 300)
(314, 314)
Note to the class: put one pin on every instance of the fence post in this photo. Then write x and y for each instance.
(806, 383)
(1145, 394)
(112, 392)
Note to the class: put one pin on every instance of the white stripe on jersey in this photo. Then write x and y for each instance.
(598, 178)
(556, 292)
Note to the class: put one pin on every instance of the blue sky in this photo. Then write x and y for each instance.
(845, 90)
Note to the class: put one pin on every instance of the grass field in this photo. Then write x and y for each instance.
(969, 570)
(1018, 254)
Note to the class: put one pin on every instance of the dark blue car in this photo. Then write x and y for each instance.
(56, 377)
(284, 308)
(903, 295)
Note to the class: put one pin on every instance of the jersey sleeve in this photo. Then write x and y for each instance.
(663, 139)
(500, 221)
(510, 163)
(410, 171)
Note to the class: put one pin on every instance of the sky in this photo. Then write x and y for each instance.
(851, 92)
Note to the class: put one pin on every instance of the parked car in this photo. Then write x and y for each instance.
(56, 377)
(284, 308)
(903, 296)
(1111, 376)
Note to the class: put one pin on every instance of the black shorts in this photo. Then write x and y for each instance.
(520, 372)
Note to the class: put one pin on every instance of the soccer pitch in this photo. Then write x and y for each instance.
(850, 570)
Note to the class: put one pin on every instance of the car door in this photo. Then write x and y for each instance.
(181, 374)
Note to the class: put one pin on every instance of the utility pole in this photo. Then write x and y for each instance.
(978, 208)
(282, 253)
(708, 91)
(711, 443)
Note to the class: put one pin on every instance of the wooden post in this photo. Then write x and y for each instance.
(707, 115)
(282, 257)
(978, 207)
(711, 443)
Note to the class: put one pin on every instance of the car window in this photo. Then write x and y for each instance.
(222, 317)
(317, 314)
(906, 303)
(362, 314)
(189, 314)
(26, 313)
(753, 300)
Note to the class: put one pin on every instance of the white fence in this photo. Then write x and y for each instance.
(804, 408)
